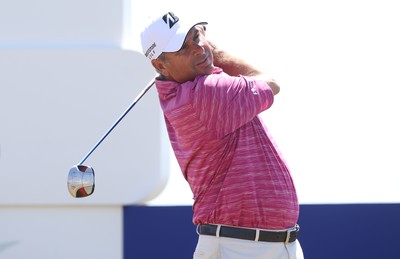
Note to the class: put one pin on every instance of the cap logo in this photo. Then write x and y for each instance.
(150, 50)
(170, 19)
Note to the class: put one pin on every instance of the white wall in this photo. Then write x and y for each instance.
(64, 80)
(55, 104)
(60, 232)
(57, 24)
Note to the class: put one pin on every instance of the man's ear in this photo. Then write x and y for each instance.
(159, 67)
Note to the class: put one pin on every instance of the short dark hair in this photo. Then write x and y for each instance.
(161, 56)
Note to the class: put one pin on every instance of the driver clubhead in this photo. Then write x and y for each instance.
(80, 181)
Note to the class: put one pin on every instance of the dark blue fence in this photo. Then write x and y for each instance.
(349, 231)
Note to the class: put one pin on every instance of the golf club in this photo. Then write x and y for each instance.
(80, 181)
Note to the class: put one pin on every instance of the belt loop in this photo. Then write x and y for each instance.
(287, 237)
(257, 235)
(218, 230)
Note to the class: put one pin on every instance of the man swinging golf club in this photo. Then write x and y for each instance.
(245, 203)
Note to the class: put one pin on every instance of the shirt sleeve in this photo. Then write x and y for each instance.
(226, 103)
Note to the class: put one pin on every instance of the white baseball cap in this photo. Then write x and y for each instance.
(165, 33)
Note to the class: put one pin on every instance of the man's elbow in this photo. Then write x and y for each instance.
(274, 86)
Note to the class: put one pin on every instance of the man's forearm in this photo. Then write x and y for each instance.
(233, 65)
(236, 66)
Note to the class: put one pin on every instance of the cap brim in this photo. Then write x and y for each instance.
(176, 42)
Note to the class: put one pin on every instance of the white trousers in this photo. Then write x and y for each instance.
(211, 247)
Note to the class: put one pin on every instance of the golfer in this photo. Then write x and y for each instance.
(245, 203)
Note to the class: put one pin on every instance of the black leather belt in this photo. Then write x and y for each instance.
(249, 234)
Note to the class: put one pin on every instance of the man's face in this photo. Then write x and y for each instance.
(193, 59)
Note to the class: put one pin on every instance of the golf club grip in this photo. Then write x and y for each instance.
(144, 91)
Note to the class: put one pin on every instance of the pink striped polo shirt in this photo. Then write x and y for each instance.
(236, 173)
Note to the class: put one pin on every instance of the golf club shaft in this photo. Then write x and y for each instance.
(118, 121)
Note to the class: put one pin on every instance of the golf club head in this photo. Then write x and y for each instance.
(81, 181)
